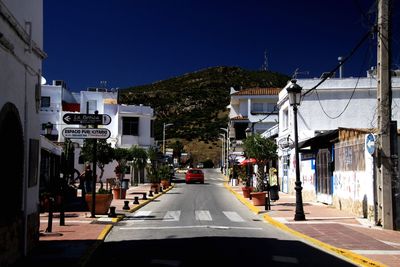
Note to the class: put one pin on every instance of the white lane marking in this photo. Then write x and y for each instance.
(285, 259)
(172, 216)
(202, 215)
(376, 252)
(233, 216)
(141, 215)
(189, 227)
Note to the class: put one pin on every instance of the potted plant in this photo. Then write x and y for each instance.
(262, 150)
(103, 201)
(164, 174)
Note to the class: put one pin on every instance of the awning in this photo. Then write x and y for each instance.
(322, 139)
(248, 161)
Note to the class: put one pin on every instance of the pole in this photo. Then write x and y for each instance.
(93, 213)
(163, 140)
(384, 98)
(299, 215)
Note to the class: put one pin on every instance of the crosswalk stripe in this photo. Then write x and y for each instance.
(203, 215)
(233, 216)
(141, 215)
(172, 216)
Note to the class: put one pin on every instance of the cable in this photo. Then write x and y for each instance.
(352, 94)
(365, 37)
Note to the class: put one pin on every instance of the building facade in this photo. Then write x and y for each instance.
(333, 122)
(21, 54)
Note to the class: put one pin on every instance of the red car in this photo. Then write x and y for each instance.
(194, 175)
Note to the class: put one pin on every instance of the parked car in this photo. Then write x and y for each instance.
(200, 165)
(194, 175)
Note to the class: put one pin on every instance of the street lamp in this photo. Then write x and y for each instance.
(165, 125)
(48, 128)
(294, 93)
(226, 161)
(222, 152)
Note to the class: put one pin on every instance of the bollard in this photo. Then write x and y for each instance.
(161, 189)
(136, 201)
(126, 205)
(112, 213)
(50, 221)
(144, 197)
(150, 193)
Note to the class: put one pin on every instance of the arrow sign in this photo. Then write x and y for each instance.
(86, 133)
(85, 119)
(370, 143)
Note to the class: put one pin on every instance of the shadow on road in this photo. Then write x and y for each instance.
(208, 251)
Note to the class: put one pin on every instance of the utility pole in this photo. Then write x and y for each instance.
(384, 98)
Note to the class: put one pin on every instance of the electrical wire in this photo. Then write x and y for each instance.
(352, 94)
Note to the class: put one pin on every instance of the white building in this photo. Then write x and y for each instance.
(333, 121)
(130, 124)
(21, 55)
(254, 109)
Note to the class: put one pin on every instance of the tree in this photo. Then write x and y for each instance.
(263, 150)
(139, 159)
(104, 154)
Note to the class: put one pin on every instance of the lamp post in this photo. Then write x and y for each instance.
(294, 94)
(222, 152)
(48, 128)
(226, 130)
(163, 144)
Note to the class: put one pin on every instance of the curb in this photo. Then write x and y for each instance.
(351, 256)
(144, 203)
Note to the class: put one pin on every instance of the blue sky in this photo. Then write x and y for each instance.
(132, 42)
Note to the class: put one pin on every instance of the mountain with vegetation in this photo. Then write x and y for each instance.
(196, 103)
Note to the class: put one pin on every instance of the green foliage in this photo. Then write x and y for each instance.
(262, 149)
(196, 102)
(104, 151)
(103, 191)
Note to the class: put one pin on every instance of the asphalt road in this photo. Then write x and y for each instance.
(203, 225)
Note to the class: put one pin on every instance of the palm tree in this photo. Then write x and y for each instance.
(262, 150)
(139, 160)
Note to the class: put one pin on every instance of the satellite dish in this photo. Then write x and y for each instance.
(43, 81)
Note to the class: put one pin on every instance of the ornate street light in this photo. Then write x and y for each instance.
(165, 125)
(249, 133)
(294, 93)
(48, 128)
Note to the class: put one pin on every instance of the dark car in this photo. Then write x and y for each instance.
(194, 175)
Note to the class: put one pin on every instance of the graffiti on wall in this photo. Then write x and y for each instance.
(348, 184)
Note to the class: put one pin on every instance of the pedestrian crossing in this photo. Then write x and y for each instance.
(176, 215)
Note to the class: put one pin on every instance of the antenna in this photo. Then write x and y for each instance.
(265, 66)
(297, 72)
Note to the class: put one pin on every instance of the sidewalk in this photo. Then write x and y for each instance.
(72, 244)
(332, 229)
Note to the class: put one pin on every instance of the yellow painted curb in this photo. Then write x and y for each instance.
(144, 203)
(105, 231)
(353, 257)
(243, 200)
(356, 258)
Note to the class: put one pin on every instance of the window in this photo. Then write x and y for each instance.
(258, 107)
(92, 106)
(45, 101)
(130, 126)
(285, 119)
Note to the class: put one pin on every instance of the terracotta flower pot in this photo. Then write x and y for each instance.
(258, 198)
(103, 202)
(118, 194)
(246, 191)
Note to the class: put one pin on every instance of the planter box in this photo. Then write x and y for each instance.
(103, 203)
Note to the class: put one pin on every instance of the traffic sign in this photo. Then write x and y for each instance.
(370, 143)
(86, 133)
(85, 119)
